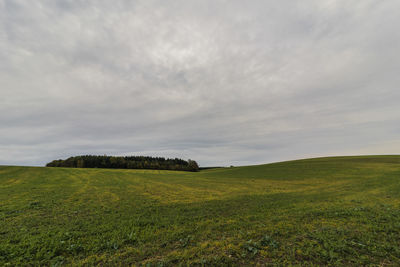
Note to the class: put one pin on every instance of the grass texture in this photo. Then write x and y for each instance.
(341, 211)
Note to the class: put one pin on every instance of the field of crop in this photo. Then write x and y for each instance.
(326, 211)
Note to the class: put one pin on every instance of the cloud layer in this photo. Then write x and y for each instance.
(222, 82)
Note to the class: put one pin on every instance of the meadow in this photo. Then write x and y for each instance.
(341, 211)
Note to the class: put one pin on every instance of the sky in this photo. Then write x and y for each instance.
(221, 82)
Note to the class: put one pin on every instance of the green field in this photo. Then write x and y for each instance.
(325, 211)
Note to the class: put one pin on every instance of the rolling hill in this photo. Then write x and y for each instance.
(323, 211)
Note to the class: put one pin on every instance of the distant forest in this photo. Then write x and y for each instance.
(129, 162)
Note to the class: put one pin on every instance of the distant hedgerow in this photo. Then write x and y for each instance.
(128, 162)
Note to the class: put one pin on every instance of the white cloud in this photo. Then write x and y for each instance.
(220, 82)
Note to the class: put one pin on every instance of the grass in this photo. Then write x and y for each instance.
(325, 211)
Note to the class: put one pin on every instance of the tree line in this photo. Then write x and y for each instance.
(128, 162)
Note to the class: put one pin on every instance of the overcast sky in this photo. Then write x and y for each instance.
(221, 82)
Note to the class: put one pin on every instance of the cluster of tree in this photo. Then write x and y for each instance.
(129, 162)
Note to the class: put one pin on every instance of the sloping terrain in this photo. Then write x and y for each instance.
(324, 211)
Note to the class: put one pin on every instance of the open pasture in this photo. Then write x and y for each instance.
(325, 211)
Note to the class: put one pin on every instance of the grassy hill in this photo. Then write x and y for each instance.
(339, 211)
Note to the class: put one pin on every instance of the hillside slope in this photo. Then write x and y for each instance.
(341, 211)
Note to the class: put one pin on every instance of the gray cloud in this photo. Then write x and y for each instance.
(223, 82)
